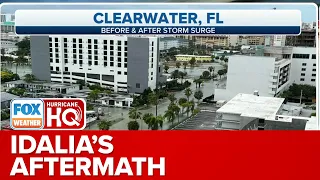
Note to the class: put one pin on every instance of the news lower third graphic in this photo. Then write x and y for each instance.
(159, 22)
(48, 114)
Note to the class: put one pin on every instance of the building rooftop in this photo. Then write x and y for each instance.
(184, 55)
(7, 96)
(250, 105)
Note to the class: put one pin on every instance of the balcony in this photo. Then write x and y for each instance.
(273, 80)
(272, 86)
(274, 74)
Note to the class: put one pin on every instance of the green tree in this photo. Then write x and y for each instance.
(313, 114)
(146, 117)
(104, 125)
(217, 57)
(153, 98)
(94, 95)
(89, 107)
(212, 57)
(134, 114)
(187, 106)
(166, 68)
(182, 101)
(107, 92)
(175, 108)
(17, 91)
(175, 74)
(133, 125)
(198, 95)
(170, 115)
(182, 75)
(29, 78)
(167, 59)
(220, 73)
(198, 82)
(192, 62)
(211, 69)
(81, 82)
(155, 122)
(188, 93)
(172, 98)
(195, 112)
(185, 64)
(178, 64)
(206, 75)
(23, 47)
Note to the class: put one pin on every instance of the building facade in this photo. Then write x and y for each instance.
(307, 38)
(246, 74)
(7, 23)
(167, 43)
(303, 62)
(123, 64)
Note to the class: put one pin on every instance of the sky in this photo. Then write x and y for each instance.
(308, 11)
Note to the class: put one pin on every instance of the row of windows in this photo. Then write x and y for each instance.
(105, 58)
(95, 41)
(303, 56)
(303, 74)
(305, 64)
(67, 69)
(302, 79)
(304, 69)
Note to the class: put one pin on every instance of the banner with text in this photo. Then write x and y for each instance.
(158, 22)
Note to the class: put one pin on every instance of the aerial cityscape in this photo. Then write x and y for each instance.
(218, 82)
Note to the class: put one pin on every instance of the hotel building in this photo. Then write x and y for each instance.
(123, 64)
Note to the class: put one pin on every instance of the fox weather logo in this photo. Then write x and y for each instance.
(27, 114)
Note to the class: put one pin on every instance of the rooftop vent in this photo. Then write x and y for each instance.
(256, 93)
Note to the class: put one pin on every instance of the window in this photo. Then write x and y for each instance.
(119, 53)
(152, 43)
(119, 72)
(111, 64)
(314, 64)
(125, 73)
(74, 40)
(95, 57)
(66, 61)
(66, 69)
(96, 41)
(303, 69)
(105, 64)
(313, 75)
(125, 42)
(119, 64)
(111, 47)
(313, 80)
(90, 63)
(105, 41)
(111, 53)
(301, 56)
(74, 46)
(302, 79)
(74, 61)
(57, 68)
(80, 62)
(96, 46)
(313, 69)
(111, 41)
(125, 65)
(89, 40)
(137, 85)
(313, 56)
(304, 64)
(56, 39)
(57, 60)
(119, 48)
(89, 47)
(151, 78)
(119, 42)
(51, 68)
(96, 63)
(303, 74)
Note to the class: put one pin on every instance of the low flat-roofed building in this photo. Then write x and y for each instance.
(6, 99)
(182, 57)
(243, 108)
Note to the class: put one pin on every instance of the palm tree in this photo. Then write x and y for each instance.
(104, 125)
(188, 93)
(170, 115)
(29, 78)
(94, 95)
(153, 98)
(172, 98)
(182, 75)
(181, 102)
(211, 69)
(176, 109)
(146, 117)
(175, 74)
(135, 114)
(154, 122)
(178, 64)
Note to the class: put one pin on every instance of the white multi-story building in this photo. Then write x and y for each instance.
(303, 62)
(123, 64)
(171, 42)
(7, 22)
(277, 40)
(246, 74)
